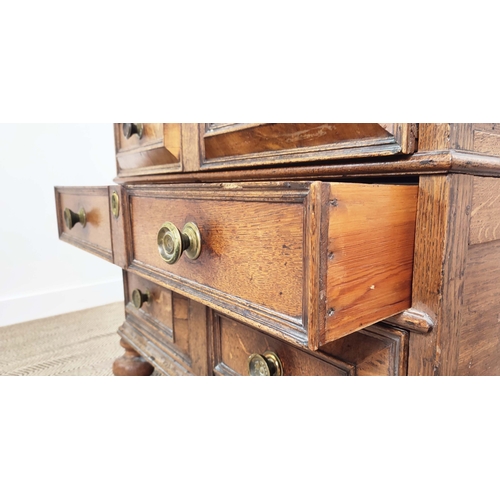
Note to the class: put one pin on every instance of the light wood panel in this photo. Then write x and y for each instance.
(370, 255)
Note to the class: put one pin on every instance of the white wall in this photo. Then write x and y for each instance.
(41, 276)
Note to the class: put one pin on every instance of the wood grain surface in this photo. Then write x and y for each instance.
(485, 213)
(480, 327)
(441, 245)
(252, 250)
(370, 255)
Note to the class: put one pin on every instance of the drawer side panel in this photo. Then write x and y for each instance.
(370, 255)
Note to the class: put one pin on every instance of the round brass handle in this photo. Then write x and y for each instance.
(172, 242)
(71, 218)
(138, 298)
(130, 129)
(267, 364)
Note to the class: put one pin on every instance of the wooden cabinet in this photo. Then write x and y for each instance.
(344, 249)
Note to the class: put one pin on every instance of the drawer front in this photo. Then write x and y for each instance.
(234, 343)
(253, 246)
(168, 328)
(83, 218)
(307, 262)
(246, 144)
(147, 148)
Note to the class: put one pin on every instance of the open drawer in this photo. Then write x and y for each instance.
(309, 262)
(94, 219)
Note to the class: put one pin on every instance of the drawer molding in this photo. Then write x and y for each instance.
(95, 237)
(155, 335)
(233, 342)
(150, 352)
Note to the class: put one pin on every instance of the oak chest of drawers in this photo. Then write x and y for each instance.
(300, 249)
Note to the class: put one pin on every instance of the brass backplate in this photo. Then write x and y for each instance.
(115, 204)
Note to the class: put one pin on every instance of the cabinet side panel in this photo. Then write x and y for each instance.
(442, 233)
(480, 332)
(485, 213)
(481, 138)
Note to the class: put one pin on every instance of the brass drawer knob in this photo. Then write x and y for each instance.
(130, 129)
(71, 218)
(267, 365)
(138, 298)
(172, 242)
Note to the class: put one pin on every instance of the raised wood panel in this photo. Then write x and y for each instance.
(234, 343)
(239, 145)
(480, 327)
(485, 211)
(481, 138)
(158, 151)
(370, 255)
(95, 237)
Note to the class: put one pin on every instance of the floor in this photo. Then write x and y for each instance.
(81, 343)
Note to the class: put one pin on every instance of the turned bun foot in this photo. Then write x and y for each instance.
(131, 363)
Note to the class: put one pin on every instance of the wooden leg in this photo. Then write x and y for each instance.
(131, 363)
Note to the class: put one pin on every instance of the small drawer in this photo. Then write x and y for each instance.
(147, 148)
(83, 219)
(307, 262)
(168, 328)
(241, 350)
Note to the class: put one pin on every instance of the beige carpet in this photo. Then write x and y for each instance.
(78, 343)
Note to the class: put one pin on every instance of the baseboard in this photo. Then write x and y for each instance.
(44, 305)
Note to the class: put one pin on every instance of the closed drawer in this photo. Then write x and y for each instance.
(246, 144)
(169, 329)
(379, 350)
(83, 219)
(147, 148)
(239, 349)
(307, 262)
